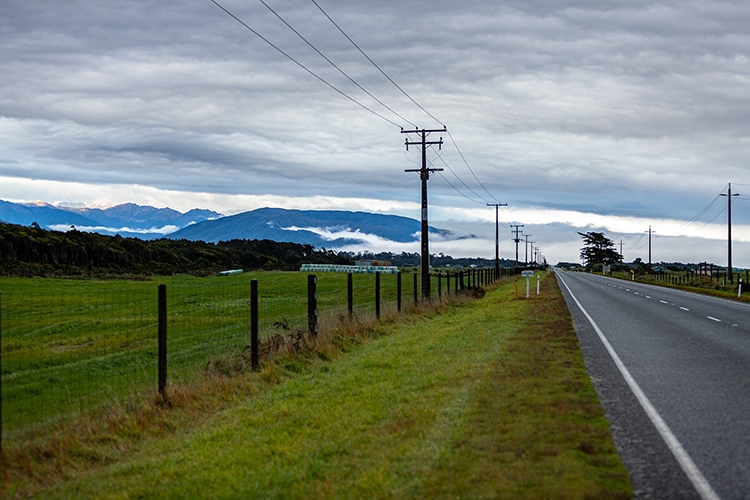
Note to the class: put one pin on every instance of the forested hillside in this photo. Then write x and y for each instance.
(32, 251)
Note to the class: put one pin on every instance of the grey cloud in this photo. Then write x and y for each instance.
(553, 103)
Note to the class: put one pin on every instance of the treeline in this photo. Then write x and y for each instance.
(436, 260)
(32, 251)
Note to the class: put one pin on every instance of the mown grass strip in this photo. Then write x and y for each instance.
(485, 400)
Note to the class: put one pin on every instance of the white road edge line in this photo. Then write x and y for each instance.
(694, 474)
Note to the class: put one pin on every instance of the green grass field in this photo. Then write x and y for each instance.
(69, 345)
(482, 399)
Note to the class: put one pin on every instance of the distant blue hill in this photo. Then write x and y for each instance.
(44, 215)
(305, 226)
(129, 219)
(320, 228)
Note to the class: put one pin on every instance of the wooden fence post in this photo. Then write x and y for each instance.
(162, 339)
(398, 291)
(312, 305)
(350, 295)
(377, 295)
(254, 324)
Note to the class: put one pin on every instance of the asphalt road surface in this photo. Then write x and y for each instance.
(672, 370)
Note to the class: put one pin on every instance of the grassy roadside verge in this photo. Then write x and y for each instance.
(488, 398)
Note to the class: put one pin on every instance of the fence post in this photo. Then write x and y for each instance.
(461, 274)
(447, 282)
(162, 339)
(254, 324)
(350, 295)
(398, 291)
(456, 286)
(312, 305)
(377, 295)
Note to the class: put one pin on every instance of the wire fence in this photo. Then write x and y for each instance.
(69, 346)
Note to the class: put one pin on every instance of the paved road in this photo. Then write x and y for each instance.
(672, 370)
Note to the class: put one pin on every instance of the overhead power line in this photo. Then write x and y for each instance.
(375, 64)
(332, 63)
(303, 66)
(713, 219)
(469, 167)
(352, 80)
(415, 103)
(484, 200)
(702, 212)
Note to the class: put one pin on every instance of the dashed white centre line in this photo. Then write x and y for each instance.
(664, 302)
(714, 319)
(647, 296)
(684, 308)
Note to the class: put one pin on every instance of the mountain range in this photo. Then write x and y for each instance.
(321, 228)
(127, 220)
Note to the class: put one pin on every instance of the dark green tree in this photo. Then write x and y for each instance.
(598, 249)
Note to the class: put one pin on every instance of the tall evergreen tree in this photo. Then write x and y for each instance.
(598, 249)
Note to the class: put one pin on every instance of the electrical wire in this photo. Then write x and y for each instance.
(715, 216)
(321, 79)
(375, 64)
(303, 66)
(469, 167)
(456, 189)
(701, 213)
(492, 198)
(332, 63)
(484, 200)
(634, 245)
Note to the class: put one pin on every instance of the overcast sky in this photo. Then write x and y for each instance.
(581, 115)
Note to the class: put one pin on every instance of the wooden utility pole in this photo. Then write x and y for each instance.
(526, 250)
(729, 195)
(650, 232)
(516, 229)
(424, 174)
(497, 236)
